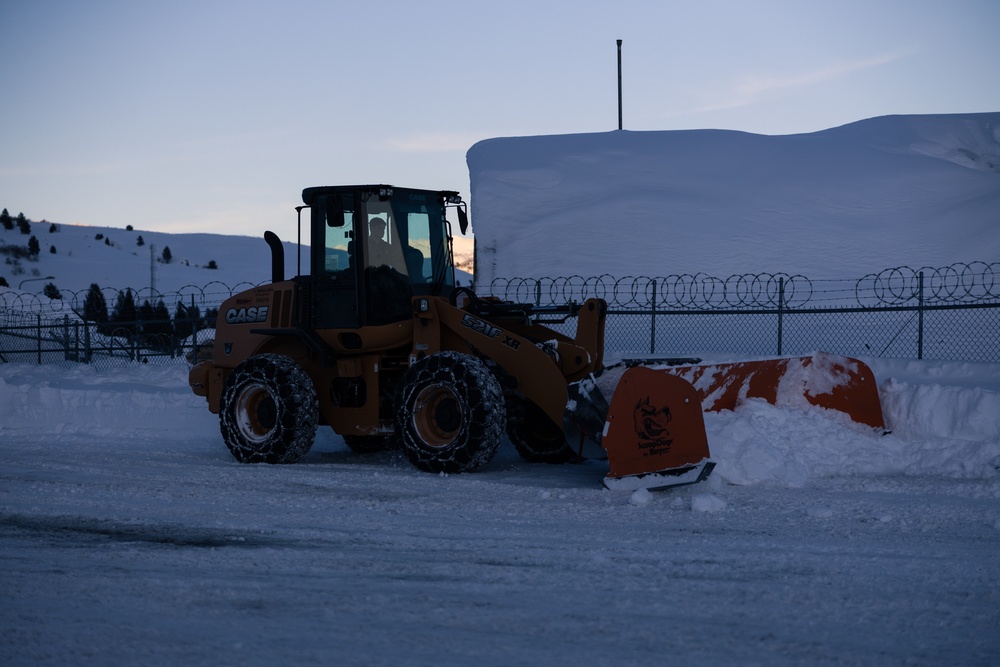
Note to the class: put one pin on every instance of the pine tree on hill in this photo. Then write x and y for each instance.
(157, 328)
(95, 307)
(184, 321)
(23, 224)
(6, 220)
(124, 318)
(33, 246)
(167, 255)
(52, 291)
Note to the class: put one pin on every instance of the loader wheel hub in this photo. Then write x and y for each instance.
(256, 412)
(437, 416)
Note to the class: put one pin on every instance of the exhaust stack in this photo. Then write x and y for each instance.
(277, 256)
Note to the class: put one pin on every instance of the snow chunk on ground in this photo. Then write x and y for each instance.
(707, 502)
(640, 498)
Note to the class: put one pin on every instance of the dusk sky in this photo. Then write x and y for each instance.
(213, 115)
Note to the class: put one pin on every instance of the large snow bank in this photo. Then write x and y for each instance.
(79, 399)
(841, 203)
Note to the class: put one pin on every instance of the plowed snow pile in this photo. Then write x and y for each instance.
(841, 203)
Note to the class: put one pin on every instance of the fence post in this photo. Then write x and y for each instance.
(38, 338)
(920, 318)
(194, 341)
(86, 341)
(538, 293)
(65, 338)
(652, 320)
(781, 306)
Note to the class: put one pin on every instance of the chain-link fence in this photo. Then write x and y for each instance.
(950, 313)
(108, 327)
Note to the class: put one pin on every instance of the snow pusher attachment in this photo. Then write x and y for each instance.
(824, 380)
(653, 431)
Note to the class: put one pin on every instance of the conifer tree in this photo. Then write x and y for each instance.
(95, 307)
(6, 220)
(124, 317)
(33, 246)
(23, 224)
(52, 291)
(184, 319)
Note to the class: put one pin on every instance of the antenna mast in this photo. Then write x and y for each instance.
(619, 84)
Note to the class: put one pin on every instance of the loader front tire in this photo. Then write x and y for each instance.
(269, 411)
(450, 413)
(535, 437)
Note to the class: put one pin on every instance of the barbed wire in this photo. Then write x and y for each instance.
(210, 295)
(956, 283)
(698, 291)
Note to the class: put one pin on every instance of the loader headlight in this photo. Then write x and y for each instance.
(423, 305)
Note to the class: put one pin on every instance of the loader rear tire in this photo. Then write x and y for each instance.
(535, 437)
(269, 411)
(450, 413)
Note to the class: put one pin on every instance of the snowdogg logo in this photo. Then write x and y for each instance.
(246, 315)
(651, 428)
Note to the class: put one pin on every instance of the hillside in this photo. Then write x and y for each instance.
(841, 203)
(112, 258)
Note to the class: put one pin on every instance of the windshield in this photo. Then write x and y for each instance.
(410, 234)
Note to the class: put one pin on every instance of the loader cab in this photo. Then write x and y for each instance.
(374, 248)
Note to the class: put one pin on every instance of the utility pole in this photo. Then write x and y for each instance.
(152, 269)
(619, 84)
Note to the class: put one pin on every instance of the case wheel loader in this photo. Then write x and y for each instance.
(378, 342)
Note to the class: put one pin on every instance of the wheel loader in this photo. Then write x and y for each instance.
(377, 341)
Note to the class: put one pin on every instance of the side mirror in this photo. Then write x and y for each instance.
(463, 219)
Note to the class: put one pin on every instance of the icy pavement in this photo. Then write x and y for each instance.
(128, 543)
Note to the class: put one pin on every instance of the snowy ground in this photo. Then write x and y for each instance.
(128, 535)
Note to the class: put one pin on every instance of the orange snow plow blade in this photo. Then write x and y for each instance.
(655, 433)
(823, 380)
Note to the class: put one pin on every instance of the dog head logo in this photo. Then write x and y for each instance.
(651, 421)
